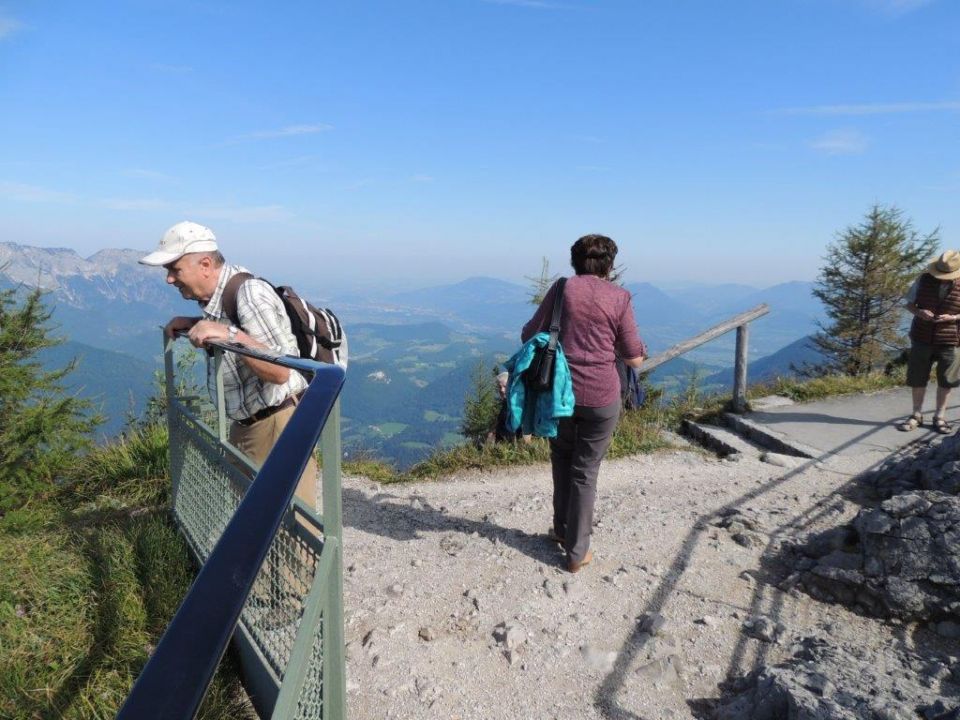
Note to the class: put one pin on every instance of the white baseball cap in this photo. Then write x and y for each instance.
(182, 238)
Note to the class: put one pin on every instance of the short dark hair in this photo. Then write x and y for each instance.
(217, 257)
(593, 255)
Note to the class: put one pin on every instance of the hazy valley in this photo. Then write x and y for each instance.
(411, 353)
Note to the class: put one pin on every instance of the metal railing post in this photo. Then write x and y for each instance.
(170, 384)
(221, 406)
(334, 677)
(740, 370)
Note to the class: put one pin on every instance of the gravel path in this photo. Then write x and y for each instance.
(457, 606)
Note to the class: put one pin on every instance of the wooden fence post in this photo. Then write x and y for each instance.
(740, 370)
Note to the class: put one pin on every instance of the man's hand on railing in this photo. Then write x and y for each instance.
(205, 330)
(179, 325)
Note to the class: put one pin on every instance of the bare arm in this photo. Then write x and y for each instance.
(635, 362)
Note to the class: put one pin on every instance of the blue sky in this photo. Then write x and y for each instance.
(420, 141)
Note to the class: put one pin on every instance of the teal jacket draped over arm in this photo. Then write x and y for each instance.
(537, 413)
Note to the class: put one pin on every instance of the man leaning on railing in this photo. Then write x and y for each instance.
(259, 397)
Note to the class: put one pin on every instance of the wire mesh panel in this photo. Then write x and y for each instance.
(209, 480)
(310, 701)
(273, 611)
(208, 488)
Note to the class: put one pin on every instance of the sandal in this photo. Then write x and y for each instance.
(912, 422)
(940, 425)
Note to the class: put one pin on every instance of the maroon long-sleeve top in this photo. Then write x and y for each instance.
(597, 324)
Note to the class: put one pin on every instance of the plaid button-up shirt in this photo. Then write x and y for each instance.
(263, 318)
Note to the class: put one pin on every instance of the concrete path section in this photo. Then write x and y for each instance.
(853, 424)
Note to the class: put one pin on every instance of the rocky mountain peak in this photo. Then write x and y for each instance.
(112, 274)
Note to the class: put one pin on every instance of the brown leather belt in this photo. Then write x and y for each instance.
(268, 411)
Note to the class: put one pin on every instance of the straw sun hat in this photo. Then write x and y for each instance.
(946, 267)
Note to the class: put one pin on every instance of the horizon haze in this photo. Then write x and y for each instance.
(715, 142)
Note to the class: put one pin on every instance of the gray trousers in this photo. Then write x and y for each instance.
(575, 455)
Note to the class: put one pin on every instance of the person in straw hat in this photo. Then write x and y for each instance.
(934, 301)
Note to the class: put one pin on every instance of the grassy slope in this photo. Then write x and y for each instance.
(637, 432)
(89, 578)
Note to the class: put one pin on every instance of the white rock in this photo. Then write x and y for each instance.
(510, 635)
(598, 659)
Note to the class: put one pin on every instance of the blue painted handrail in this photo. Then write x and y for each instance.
(176, 677)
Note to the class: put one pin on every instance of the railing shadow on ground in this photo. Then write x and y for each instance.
(174, 681)
(430, 519)
(605, 698)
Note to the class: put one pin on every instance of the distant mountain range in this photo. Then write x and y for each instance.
(106, 301)
(783, 363)
(412, 352)
(117, 384)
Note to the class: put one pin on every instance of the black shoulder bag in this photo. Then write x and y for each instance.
(539, 376)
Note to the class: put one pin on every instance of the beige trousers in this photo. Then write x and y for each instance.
(255, 441)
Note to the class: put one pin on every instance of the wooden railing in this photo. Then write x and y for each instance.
(740, 324)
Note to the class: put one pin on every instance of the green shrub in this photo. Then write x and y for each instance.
(42, 428)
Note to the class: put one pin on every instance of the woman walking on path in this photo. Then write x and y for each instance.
(597, 324)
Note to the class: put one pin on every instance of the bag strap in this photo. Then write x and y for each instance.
(228, 301)
(557, 312)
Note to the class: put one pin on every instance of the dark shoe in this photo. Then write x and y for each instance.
(574, 566)
(941, 425)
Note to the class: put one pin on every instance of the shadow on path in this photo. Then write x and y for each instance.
(378, 516)
(605, 697)
(821, 419)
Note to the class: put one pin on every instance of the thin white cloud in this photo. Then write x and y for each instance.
(22, 192)
(289, 131)
(540, 4)
(897, 7)
(874, 108)
(134, 204)
(253, 214)
(8, 26)
(841, 142)
(149, 175)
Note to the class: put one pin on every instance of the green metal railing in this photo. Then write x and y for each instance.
(290, 632)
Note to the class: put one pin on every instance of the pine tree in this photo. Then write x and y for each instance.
(42, 427)
(540, 285)
(481, 405)
(867, 272)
